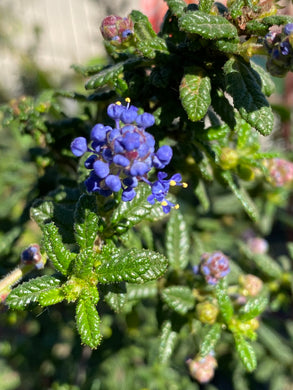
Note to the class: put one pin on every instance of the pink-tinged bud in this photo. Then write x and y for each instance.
(32, 255)
(214, 266)
(250, 285)
(116, 29)
(280, 171)
(257, 245)
(202, 370)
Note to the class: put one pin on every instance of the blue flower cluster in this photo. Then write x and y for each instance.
(123, 156)
(280, 50)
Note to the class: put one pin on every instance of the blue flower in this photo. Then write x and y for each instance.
(288, 29)
(123, 156)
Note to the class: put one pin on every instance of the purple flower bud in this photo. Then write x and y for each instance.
(32, 255)
(163, 156)
(214, 266)
(129, 115)
(118, 159)
(288, 29)
(109, 27)
(131, 141)
(145, 120)
(139, 169)
(113, 182)
(128, 194)
(101, 169)
(79, 146)
(285, 48)
(130, 181)
(115, 110)
(99, 132)
(90, 161)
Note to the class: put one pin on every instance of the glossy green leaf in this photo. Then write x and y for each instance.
(177, 241)
(29, 292)
(105, 76)
(134, 266)
(84, 263)
(266, 82)
(88, 322)
(243, 84)
(245, 352)
(51, 297)
(149, 48)
(142, 26)
(253, 308)
(228, 46)
(128, 214)
(205, 5)
(87, 70)
(42, 211)
(210, 339)
(224, 301)
(241, 195)
(207, 26)
(55, 249)
(194, 93)
(236, 8)
(277, 20)
(177, 7)
(87, 222)
(167, 342)
(179, 298)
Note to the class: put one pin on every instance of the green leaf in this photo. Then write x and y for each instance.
(241, 195)
(210, 339)
(277, 20)
(245, 352)
(106, 76)
(177, 241)
(149, 48)
(224, 301)
(167, 342)
(87, 222)
(263, 262)
(176, 7)
(84, 263)
(253, 308)
(134, 266)
(266, 83)
(205, 5)
(29, 292)
(51, 297)
(42, 211)
(243, 84)
(142, 291)
(87, 70)
(142, 26)
(55, 249)
(179, 298)
(88, 322)
(201, 194)
(207, 26)
(128, 214)
(194, 92)
(115, 296)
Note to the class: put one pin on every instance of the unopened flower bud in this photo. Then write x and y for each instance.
(281, 171)
(228, 158)
(250, 285)
(257, 245)
(116, 29)
(203, 369)
(207, 312)
(32, 255)
(214, 266)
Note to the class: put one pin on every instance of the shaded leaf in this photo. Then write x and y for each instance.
(194, 92)
(167, 342)
(224, 301)
(88, 322)
(210, 340)
(179, 298)
(243, 84)
(266, 82)
(207, 26)
(105, 76)
(177, 241)
(253, 308)
(142, 291)
(115, 296)
(245, 352)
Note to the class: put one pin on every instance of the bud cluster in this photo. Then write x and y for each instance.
(279, 48)
(280, 171)
(117, 30)
(213, 266)
(202, 369)
(124, 155)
